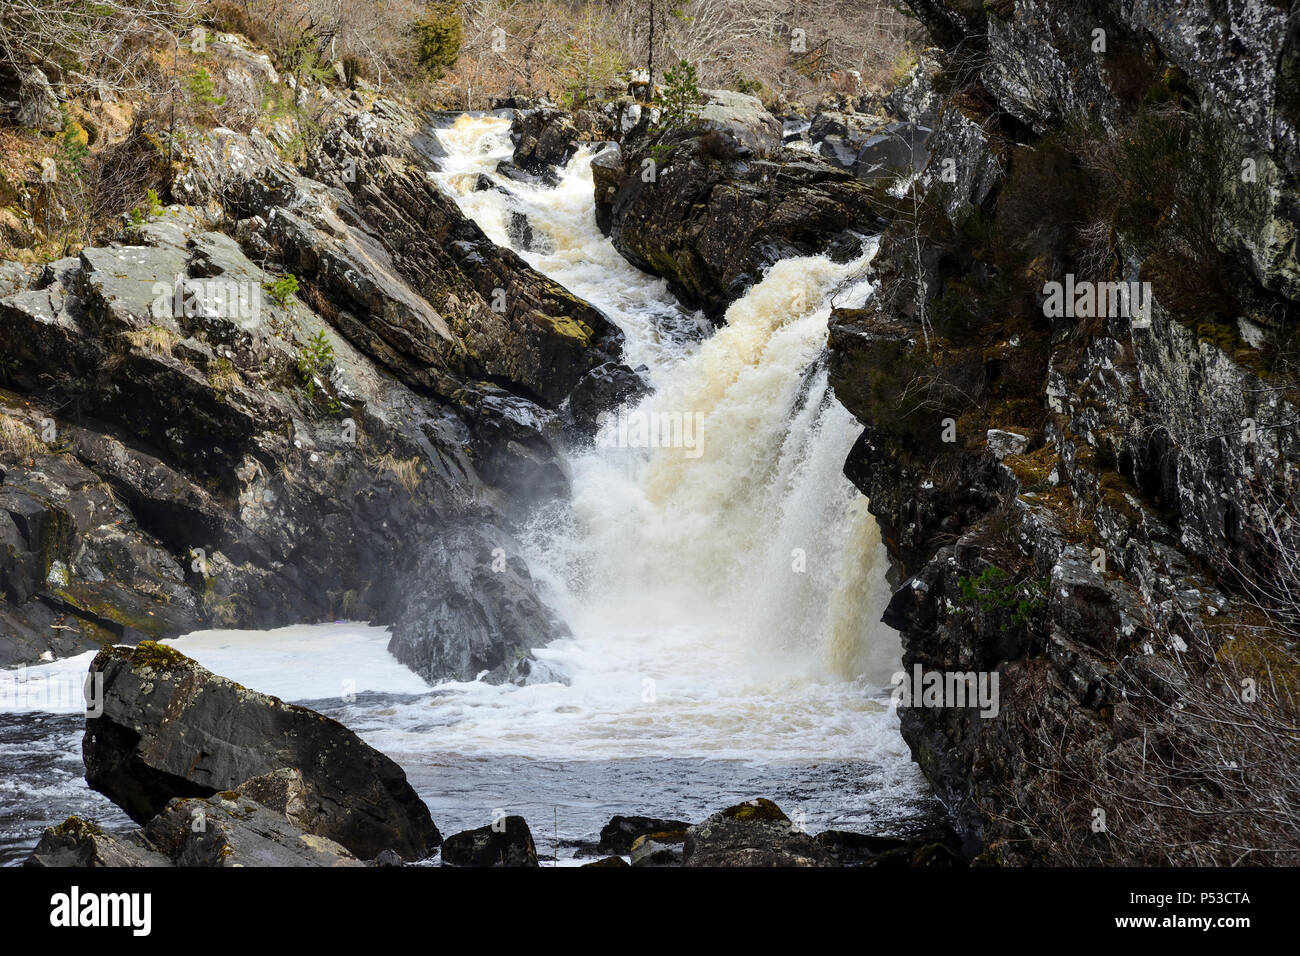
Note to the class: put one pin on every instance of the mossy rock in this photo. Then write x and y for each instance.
(77, 828)
(756, 810)
(1033, 469)
(158, 657)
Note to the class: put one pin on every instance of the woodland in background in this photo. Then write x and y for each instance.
(96, 89)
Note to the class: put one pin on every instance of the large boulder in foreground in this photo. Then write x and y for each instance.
(170, 728)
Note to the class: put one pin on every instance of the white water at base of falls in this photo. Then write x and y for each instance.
(724, 600)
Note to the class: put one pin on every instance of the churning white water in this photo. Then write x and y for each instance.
(724, 598)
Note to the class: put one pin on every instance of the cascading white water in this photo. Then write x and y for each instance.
(724, 603)
(724, 599)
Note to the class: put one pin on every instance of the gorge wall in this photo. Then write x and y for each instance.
(1108, 522)
(193, 439)
(1096, 503)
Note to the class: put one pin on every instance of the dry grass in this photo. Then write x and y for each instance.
(155, 338)
(17, 438)
(223, 375)
(406, 470)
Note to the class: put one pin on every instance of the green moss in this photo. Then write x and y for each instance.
(1033, 470)
(760, 809)
(158, 657)
(1116, 491)
(568, 327)
(77, 828)
(84, 599)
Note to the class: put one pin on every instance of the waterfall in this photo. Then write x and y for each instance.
(707, 587)
(724, 594)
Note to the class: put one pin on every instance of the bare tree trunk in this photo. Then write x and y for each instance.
(650, 56)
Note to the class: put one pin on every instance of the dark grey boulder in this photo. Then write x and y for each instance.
(899, 147)
(507, 843)
(472, 610)
(604, 388)
(662, 848)
(618, 835)
(544, 139)
(171, 728)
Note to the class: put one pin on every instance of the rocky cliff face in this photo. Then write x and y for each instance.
(1089, 495)
(270, 401)
(1095, 504)
(710, 204)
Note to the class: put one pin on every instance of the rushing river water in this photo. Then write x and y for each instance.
(724, 596)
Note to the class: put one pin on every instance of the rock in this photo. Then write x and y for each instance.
(609, 861)
(660, 848)
(604, 388)
(141, 752)
(225, 830)
(472, 610)
(741, 118)
(936, 847)
(1002, 443)
(38, 104)
(756, 833)
(544, 139)
(510, 845)
(896, 149)
(711, 221)
(839, 137)
(77, 843)
(607, 176)
(228, 829)
(618, 835)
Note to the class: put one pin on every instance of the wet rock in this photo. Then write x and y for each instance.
(543, 139)
(618, 835)
(897, 148)
(472, 611)
(609, 861)
(509, 844)
(756, 833)
(171, 728)
(659, 848)
(604, 388)
(710, 220)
